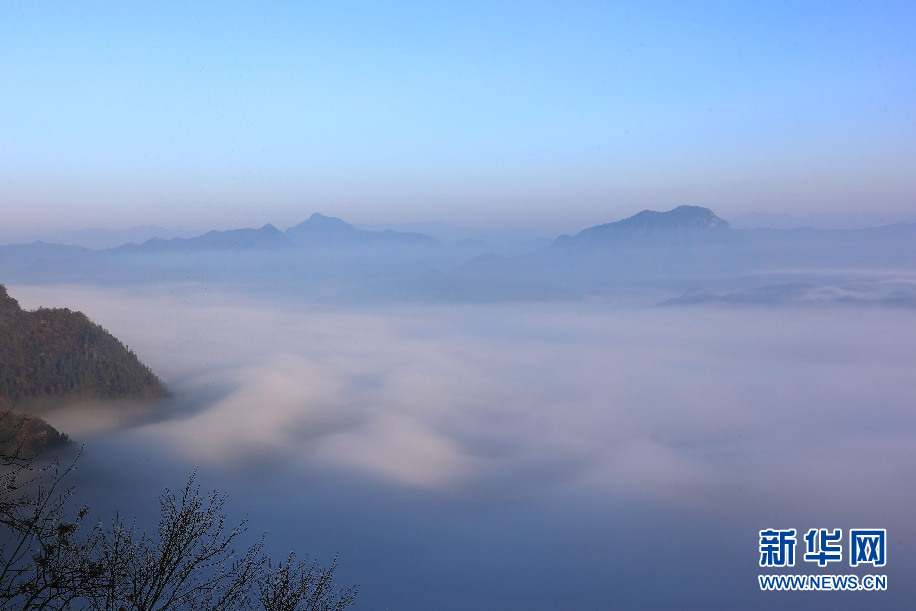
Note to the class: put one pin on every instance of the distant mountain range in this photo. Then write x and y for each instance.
(325, 258)
(267, 236)
(822, 220)
(689, 246)
(690, 222)
(98, 239)
(317, 231)
(327, 230)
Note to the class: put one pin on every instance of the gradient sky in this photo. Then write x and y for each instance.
(229, 114)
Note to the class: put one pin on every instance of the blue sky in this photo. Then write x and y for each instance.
(562, 115)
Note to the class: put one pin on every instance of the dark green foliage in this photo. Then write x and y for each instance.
(56, 355)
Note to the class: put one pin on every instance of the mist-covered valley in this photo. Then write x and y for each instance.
(607, 420)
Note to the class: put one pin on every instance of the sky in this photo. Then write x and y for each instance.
(562, 115)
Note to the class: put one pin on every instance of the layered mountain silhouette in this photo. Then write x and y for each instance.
(326, 258)
(658, 253)
(318, 230)
(267, 236)
(690, 222)
(318, 256)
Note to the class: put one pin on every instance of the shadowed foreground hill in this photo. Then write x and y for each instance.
(25, 436)
(49, 357)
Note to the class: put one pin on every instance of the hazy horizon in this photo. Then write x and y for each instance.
(100, 237)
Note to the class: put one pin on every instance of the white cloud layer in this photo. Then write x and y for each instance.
(667, 403)
(455, 441)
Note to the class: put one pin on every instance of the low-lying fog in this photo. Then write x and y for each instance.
(521, 456)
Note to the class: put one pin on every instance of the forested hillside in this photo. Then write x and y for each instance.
(24, 436)
(56, 355)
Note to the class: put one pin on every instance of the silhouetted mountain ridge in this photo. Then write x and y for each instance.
(655, 252)
(683, 221)
(321, 224)
(325, 258)
(267, 236)
(328, 230)
(318, 230)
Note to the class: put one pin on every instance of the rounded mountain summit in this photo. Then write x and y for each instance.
(688, 222)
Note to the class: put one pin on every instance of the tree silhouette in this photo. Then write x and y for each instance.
(51, 559)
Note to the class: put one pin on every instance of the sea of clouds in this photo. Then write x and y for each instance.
(542, 455)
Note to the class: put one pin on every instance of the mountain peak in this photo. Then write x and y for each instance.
(324, 224)
(678, 223)
(320, 227)
(682, 217)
